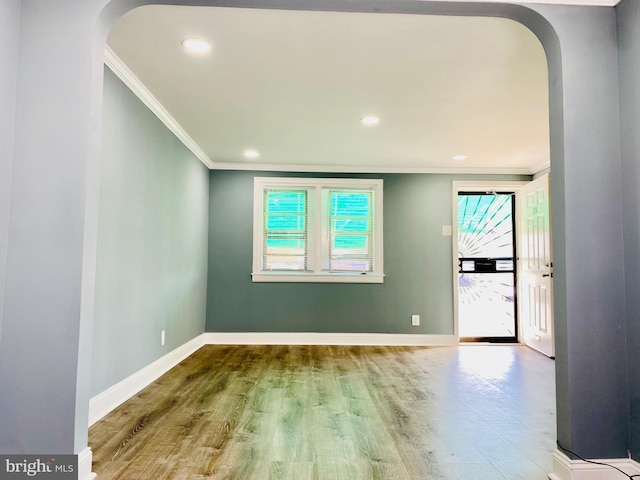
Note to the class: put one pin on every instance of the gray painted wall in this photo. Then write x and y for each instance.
(55, 157)
(417, 266)
(9, 30)
(591, 354)
(628, 16)
(151, 271)
(53, 153)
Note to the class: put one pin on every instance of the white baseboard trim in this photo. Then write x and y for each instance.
(566, 469)
(84, 465)
(106, 401)
(309, 338)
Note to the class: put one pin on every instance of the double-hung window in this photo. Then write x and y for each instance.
(317, 230)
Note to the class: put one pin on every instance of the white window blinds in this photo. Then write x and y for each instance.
(285, 230)
(317, 230)
(350, 221)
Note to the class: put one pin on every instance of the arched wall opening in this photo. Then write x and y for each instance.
(52, 228)
(566, 36)
(521, 14)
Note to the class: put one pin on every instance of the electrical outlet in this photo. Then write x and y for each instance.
(415, 320)
(162, 338)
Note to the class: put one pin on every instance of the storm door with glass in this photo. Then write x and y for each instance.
(486, 267)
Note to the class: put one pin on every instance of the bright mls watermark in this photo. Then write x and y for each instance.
(50, 467)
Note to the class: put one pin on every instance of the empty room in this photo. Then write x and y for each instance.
(371, 239)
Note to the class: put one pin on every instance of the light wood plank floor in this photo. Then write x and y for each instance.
(337, 413)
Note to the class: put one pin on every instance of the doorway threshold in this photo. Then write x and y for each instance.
(488, 340)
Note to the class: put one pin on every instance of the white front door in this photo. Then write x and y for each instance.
(535, 267)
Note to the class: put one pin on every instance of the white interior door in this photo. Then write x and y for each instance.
(535, 267)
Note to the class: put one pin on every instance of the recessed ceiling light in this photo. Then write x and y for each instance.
(250, 153)
(460, 157)
(196, 45)
(370, 120)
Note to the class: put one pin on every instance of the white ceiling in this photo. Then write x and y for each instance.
(294, 85)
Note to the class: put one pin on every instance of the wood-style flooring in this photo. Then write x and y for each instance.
(337, 413)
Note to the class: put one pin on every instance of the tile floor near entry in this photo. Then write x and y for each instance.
(472, 412)
(498, 413)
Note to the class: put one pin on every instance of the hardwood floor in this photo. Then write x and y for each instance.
(337, 413)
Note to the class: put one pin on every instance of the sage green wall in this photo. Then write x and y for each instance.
(152, 240)
(417, 264)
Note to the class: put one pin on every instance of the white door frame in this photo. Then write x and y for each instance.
(476, 186)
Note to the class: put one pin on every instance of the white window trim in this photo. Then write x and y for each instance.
(318, 275)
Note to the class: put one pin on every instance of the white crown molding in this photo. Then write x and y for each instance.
(117, 66)
(540, 167)
(370, 169)
(566, 469)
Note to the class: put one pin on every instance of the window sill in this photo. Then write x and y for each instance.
(306, 277)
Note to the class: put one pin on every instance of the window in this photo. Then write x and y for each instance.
(317, 230)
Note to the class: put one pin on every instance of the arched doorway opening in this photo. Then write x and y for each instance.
(439, 8)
